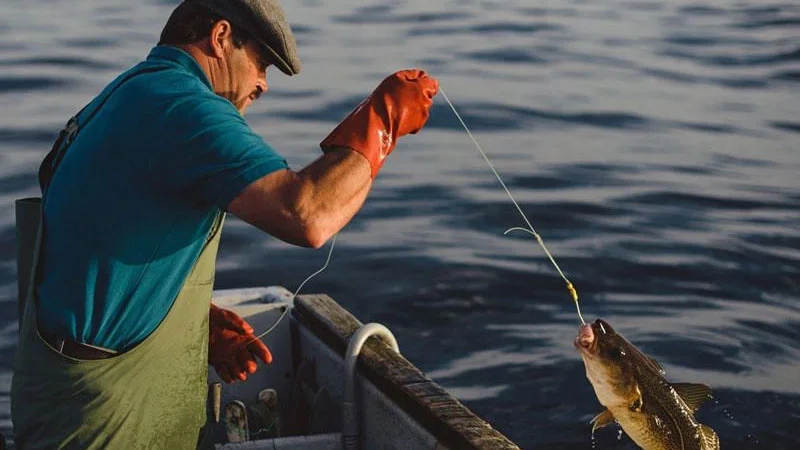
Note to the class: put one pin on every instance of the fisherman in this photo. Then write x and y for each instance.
(118, 333)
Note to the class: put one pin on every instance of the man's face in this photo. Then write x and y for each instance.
(246, 75)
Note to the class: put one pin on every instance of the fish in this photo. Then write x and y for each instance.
(654, 413)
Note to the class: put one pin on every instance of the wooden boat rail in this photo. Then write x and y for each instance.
(423, 399)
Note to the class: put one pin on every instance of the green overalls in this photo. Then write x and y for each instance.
(150, 397)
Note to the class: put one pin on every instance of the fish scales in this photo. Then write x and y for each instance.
(663, 419)
(656, 414)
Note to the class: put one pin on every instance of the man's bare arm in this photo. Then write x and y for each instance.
(307, 207)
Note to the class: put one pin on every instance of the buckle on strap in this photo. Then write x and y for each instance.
(71, 130)
(75, 349)
(59, 345)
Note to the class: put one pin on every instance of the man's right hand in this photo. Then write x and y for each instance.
(308, 207)
(400, 105)
(233, 349)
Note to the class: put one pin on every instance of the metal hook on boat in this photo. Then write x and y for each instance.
(350, 433)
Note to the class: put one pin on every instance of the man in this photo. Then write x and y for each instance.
(118, 332)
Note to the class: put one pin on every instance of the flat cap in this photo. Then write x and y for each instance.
(266, 22)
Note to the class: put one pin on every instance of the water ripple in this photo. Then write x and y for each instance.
(383, 15)
(525, 29)
(737, 60)
(58, 61)
(711, 355)
(548, 12)
(701, 10)
(506, 56)
(786, 126)
(38, 136)
(576, 176)
(17, 183)
(778, 22)
(699, 201)
(792, 76)
(484, 116)
(31, 83)
(91, 43)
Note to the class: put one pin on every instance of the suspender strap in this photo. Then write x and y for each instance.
(67, 135)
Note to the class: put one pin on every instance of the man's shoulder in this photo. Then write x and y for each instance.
(171, 92)
(166, 80)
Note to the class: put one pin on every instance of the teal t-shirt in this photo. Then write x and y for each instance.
(129, 208)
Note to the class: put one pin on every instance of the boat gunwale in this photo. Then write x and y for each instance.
(452, 423)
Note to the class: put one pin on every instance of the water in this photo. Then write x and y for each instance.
(653, 144)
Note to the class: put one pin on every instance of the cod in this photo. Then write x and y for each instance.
(656, 414)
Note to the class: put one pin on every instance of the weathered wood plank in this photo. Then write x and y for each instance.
(442, 415)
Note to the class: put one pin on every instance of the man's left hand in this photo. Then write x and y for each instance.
(232, 346)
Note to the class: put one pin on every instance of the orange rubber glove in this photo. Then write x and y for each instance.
(400, 105)
(232, 346)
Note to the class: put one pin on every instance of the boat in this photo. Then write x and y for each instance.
(334, 383)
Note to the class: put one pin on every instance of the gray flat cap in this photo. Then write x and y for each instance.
(266, 22)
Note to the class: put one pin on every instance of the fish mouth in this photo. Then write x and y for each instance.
(586, 339)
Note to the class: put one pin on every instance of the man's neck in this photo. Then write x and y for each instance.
(197, 52)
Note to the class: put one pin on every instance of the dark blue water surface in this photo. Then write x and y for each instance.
(654, 144)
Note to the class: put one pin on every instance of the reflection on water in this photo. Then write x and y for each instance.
(653, 144)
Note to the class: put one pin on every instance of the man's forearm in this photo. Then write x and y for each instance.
(332, 190)
(307, 207)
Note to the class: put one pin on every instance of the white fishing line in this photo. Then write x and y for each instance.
(530, 229)
(286, 311)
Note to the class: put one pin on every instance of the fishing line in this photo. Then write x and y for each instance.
(286, 311)
(528, 230)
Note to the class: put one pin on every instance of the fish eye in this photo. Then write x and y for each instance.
(603, 327)
(617, 352)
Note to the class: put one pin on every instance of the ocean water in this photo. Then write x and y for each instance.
(654, 145)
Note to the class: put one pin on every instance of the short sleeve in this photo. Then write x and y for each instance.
(212, 155)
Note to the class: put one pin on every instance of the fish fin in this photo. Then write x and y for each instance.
(694, 394)
(602, 419)
(657, 364)
(708, 437)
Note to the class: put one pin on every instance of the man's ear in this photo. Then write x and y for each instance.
(220, 37)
